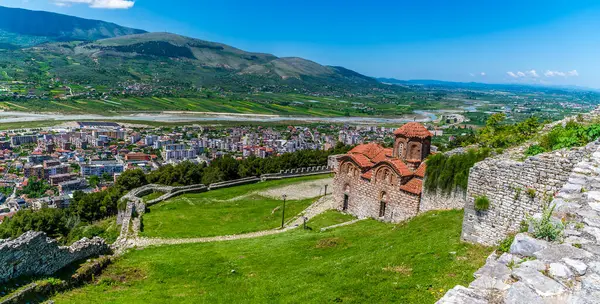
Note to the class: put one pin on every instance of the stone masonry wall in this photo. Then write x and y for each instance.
(34, 254)
(438, 200)
(505, 183)
(364, 199)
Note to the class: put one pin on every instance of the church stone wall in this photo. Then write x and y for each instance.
(364, 199)
(505, 183)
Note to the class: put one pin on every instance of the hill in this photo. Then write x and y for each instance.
(43, 51)
(25, 28)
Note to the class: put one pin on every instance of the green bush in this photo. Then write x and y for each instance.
(573, 134)
(482, 203)
(505, 244)
(544, 228)
(534, 150)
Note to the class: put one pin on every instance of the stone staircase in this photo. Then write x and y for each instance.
(536, 271)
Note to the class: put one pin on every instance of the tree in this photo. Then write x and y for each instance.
(131, 179)
(94, 181)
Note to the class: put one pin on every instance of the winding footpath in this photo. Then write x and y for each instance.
(323, 204)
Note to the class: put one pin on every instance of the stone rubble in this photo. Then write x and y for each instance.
(536, 271)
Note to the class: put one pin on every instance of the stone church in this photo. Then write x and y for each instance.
(384, 183)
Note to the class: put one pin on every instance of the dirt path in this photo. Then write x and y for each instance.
(300, 191)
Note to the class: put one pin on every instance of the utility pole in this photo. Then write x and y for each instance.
(283, 211)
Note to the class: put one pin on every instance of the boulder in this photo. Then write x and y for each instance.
(495, 270)
(590, 282)
(534, 264)
(526, 246)
(486, 282)
(556, 253)
(578, 267)
(541, 284)
(507, 258)
(559, 270)
(462, 295)
(519, 293)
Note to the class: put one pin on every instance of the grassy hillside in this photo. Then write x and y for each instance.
(222, 212)
(367, 262)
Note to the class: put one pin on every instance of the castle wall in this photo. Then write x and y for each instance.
(364, 198)
(34, 254)
(505, 182)
(438, 200)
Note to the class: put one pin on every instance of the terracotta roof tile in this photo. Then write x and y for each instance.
(413, 186)
(400, 166)
(421, 170)
(361, 160)
(369, 150)
(413, 129)
(367, 174)
(383, 155)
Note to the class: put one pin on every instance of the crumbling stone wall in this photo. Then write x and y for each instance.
(505, 183)
(34, 254)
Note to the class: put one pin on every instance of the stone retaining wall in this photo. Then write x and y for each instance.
(34, 254)
(505, 183)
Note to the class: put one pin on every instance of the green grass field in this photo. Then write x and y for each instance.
(367, 262)
(222, 212)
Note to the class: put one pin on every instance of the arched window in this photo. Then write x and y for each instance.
(400, 149)
(382, 204)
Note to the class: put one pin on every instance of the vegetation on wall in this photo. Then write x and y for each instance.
(572, 134)
(449, 172)
(482, 203)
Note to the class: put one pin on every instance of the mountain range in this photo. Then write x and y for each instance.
(35, 46)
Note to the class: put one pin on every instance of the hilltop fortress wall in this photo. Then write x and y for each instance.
(515, 189)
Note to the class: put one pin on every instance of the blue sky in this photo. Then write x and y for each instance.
(547, 42)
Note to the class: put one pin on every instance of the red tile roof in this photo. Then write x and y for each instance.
(369, 150)
(383, 155)
(421, 170)
(367, 174)
(400, 166)
(413, 186)
(361, 160)
(413, 129)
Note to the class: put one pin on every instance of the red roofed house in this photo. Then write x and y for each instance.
(385, 184)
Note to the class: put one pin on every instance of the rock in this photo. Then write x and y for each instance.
(590, 282)
(519, 293)
(578, 267)
(541, 284)
(592, 221)
(493, 269)
(526, 246)
(462, 295)
(555, 253)
(594, 267)
(576, 240)
(593, 195)
(486, 282)
(595, 206)
(507, 258)
(593, 231)
(559, 270)
(534, 264)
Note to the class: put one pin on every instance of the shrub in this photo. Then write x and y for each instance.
(544, 228)
(535, 150)
(505, 244)
(531, 193)
(482, 203)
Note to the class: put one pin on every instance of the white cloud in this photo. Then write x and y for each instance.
(511, 74)
(520, 74)
(109, 4)
(532, 73)
(482, 74)
(572, 73)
